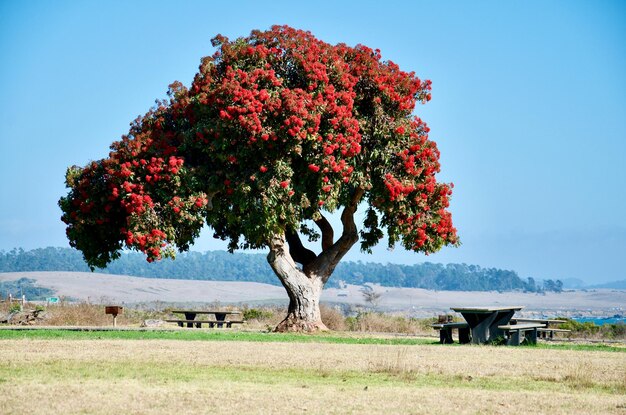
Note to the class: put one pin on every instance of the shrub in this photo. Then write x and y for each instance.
(257, 314)
(589, 329)
(617, 331)
(333, 318)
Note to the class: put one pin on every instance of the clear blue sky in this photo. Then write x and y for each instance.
(528, 109)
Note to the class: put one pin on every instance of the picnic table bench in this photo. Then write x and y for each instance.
(219, 322)
(445, 332)
(199, 323)
(549, 331)
(515, 334)
(545, 331)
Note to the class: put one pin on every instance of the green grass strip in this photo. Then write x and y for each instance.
(231, 335)
(202, 335)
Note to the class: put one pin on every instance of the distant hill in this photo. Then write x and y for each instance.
(615, 285)
(98, 288)
(223, 266)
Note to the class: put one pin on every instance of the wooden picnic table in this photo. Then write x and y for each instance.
(484, 321)
(220, 318)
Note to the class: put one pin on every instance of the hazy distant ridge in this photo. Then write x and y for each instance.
(615, 285)
(223, 266)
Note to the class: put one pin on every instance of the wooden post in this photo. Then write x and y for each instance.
(114, 310)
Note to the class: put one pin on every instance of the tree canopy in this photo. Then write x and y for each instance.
(276, 129)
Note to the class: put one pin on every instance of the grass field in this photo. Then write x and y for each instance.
(197, 371)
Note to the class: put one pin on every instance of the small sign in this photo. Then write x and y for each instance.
(52, 300)
(113, 309)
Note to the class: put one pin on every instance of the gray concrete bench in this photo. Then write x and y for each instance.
(547, 321)
(548, 331)
(517, 333)
(445, 332)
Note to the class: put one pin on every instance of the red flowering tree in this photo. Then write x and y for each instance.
(277, 130)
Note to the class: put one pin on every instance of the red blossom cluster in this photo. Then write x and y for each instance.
(149, 242)
(137, 196)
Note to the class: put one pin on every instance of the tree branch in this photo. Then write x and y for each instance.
(299, 252)
(328, 235)
(325, 263)
(347, 216)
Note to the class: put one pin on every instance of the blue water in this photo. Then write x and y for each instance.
(602, 320)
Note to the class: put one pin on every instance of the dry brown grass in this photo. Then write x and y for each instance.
(156, 376)
(86, 314)
(81, 314)
(333, 318)
(383, 323)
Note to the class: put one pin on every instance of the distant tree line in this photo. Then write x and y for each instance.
(450, 277)
(210, 265)
(223, 266)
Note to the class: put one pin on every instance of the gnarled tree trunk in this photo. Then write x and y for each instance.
(304, 292)
(304, 285)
